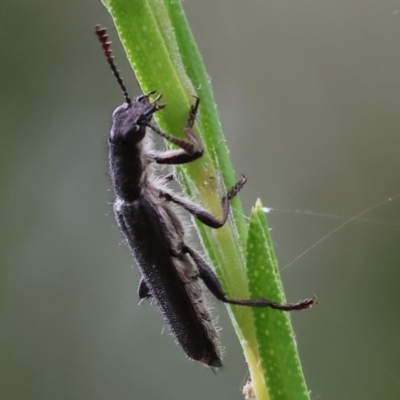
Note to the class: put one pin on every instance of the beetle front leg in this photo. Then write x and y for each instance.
(190, 149)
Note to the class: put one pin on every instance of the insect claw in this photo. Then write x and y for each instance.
(160, 106)
(159, 96)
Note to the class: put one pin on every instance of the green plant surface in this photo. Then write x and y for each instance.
(165, 58)
(277, 350)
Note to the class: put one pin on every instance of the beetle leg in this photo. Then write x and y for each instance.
(202, 214)
(214, 286)
(143, 290)
(190, 149)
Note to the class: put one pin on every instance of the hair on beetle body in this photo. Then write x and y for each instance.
(145, 210)
(155, 235)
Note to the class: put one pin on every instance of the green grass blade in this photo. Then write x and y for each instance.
(276, 345)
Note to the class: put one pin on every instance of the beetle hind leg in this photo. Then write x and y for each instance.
(143, 291)
(214, 286)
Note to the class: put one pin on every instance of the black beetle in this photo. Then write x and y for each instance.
(144, 208)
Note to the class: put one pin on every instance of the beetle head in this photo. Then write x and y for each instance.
(130, 120)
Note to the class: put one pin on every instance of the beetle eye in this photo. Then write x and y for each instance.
(134, 128)
(120, 109)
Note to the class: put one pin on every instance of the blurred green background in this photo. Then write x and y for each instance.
(309, 96)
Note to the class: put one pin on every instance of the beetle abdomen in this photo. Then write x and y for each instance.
(171, 280)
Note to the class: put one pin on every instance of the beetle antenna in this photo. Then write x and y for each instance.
(105, 44)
